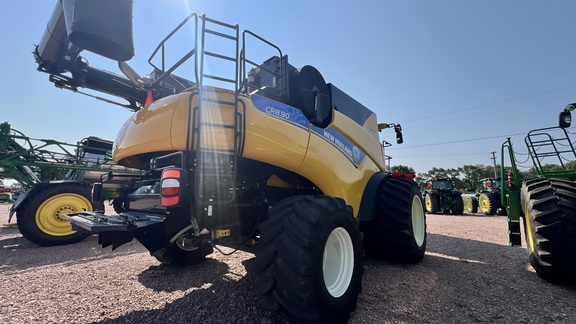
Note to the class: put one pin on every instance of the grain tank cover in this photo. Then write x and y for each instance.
(103, 27)
(309, 93)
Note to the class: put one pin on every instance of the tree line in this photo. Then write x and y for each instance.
(466, 178)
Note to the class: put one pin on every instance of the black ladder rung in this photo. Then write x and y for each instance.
(213, 77)
(216, 22)
(213, 32)
(217, 125)
(220, 56)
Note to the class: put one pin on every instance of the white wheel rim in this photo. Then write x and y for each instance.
(338, 262)
(418, 221)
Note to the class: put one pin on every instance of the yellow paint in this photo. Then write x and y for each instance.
(48, 215)
(528, 224)
(161, 127)
(221, 233)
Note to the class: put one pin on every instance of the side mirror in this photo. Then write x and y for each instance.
(565, 119)
(398, 130)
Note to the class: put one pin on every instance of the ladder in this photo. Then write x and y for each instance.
(215, 163)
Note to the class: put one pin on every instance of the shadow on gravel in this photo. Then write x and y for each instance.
(17, 253)
(214, 294)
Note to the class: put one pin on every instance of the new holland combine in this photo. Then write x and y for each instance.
(262, 157)
(545, 204)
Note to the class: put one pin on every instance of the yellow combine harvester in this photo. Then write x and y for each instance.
(261, 157)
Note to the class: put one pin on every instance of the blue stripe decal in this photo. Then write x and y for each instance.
(294, 116)
(280, 110)
(343, 144)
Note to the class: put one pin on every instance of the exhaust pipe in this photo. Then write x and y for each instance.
(103, 27)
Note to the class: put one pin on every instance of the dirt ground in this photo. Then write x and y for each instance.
(468, 274)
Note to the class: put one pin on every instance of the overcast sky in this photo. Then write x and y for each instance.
(459, 76)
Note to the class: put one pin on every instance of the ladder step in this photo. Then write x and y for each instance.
(220, 56)
(219, 34)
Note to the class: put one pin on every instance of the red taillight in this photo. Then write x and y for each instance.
(510, 179)
(172, 186)
(149, 98)
(400, 175)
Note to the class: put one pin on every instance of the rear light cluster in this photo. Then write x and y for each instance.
(173, 187)
(400, 175)
(509, 179)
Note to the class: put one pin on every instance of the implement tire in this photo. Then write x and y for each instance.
(398, 231)
(549, 207)
(309, 258)
(39, 218)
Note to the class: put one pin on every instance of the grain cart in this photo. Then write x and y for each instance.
(441, 196)
(58, 178)
(487, 199)
(260, 157)
(547, 202)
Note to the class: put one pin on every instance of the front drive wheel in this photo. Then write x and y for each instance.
(39, 218)
(549, 207)
(398, 231)
(309, 260)
(489, 203)
(472, 205)
(432, 202)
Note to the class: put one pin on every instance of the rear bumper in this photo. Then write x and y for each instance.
(96, 223)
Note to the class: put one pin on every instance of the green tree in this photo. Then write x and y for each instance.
(473, 173)
(439, 173)
(402, 169)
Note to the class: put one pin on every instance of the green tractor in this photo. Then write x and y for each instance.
(547, 202)
(487, 199)
(441, 196)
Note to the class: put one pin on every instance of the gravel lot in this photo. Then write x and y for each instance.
(468, 274)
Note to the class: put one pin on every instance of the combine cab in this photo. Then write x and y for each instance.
(545, 205)
(441, 196)
(256, 155)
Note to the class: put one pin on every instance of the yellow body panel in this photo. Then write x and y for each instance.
(323, 156)
(162, 126)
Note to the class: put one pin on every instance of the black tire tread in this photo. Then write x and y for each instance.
(287, 272)
(550, 205)
(390, 235)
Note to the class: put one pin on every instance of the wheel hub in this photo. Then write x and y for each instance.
(338, 262)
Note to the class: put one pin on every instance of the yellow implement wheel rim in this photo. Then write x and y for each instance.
(484, 203)
(468, 205)
(48, 215)
(428, 202)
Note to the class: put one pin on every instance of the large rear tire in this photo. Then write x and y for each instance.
(309, 260)
(39, 218)
(398, 231)
(432, 202)
(458, 206)
(549, 207)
